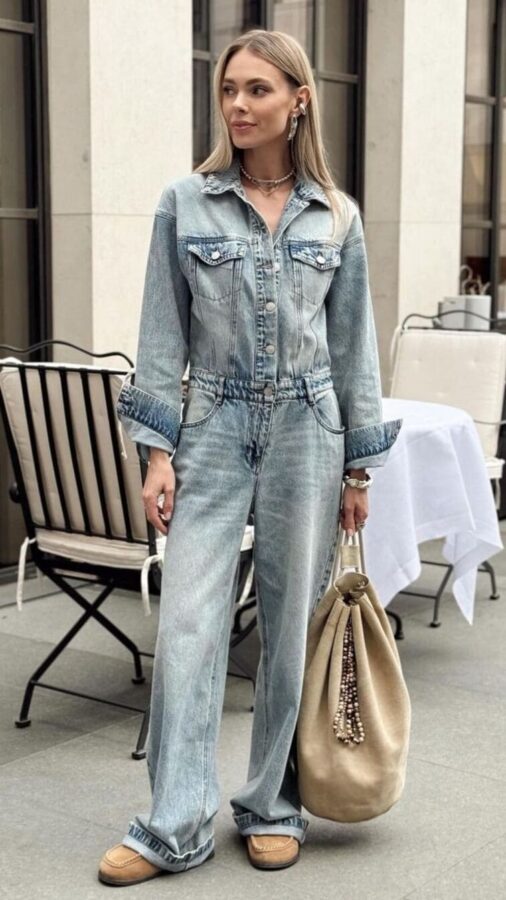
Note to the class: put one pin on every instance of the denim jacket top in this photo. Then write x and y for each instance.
(226, 296)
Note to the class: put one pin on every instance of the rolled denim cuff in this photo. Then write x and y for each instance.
(369, 445)
(136, 408)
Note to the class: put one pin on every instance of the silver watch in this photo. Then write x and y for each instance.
(358, 482)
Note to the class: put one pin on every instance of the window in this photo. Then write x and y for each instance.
(24, 309)
(214, 25)
(333, 34)
(483, 198)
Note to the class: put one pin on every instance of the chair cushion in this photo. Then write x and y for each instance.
(102, 551)
(466, 369)
(57, 461)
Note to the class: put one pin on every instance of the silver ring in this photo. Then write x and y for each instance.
(361, 524)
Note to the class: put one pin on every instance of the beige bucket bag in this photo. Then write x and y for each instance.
(355, 715)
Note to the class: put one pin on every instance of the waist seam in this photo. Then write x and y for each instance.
(307, 385)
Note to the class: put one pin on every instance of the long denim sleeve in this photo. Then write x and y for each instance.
(225, 296)
(150, 409)
(354, 356)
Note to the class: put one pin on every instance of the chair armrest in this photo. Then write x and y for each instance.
(498, 422)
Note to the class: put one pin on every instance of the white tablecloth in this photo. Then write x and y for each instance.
(434, 484)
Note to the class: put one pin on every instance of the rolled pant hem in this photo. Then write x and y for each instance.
(158, 853)
(250, 823)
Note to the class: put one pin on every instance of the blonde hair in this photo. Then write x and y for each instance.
(308, 153)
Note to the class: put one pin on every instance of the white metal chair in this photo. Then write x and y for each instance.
(461, 368)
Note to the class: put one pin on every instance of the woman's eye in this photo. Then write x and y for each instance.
(258, 87)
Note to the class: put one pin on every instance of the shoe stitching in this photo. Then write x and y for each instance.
(270, 847)
(262, 849)
(126, 862)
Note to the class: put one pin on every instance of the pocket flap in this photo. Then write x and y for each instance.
(215, 252)
(321, 256)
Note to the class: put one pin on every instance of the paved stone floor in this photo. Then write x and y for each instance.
(68, 783)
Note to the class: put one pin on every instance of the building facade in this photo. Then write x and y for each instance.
(102, 103)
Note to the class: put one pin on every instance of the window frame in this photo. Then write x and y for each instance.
(35, 64)
(497, 103)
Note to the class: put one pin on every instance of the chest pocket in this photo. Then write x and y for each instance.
(215, 267)
(313, 265)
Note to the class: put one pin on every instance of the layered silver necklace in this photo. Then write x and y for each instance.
(272, 182)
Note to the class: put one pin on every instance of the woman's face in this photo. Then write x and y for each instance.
(256, 92)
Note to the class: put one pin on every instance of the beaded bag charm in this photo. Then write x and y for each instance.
(347, 724)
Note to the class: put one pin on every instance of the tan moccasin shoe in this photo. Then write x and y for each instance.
(272, 851)
(121, 866)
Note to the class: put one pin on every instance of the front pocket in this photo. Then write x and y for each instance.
(327, 413)
(314, 265)
(199, 406)
(215, 267)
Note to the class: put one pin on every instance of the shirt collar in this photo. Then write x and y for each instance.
(229, 179)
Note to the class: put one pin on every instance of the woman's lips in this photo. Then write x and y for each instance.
(239, 127)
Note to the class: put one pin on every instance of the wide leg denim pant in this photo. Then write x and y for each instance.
(277, 447)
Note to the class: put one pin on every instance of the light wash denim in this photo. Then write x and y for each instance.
(284, 393)
(225, 296)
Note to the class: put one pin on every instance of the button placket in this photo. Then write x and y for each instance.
(268, 324)
(266, 257)
(270, 305)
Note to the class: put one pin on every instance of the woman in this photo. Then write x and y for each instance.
(257, 276)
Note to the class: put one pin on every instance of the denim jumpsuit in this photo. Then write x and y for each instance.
(284, 393)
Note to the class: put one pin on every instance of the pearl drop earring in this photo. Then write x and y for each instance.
(293, 127)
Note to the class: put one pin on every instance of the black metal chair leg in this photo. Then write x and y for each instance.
(237, 627)
(437, 600)
(436, 596)
(23, 720)
(140, 748)
(488, 567)
(399, 631)
(113, 629)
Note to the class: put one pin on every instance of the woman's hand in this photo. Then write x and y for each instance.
(355, 505)
(160, 479)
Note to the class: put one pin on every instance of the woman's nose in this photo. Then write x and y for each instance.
(239, 103)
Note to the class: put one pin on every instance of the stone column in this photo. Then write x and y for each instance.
(120, 96)
(413, 157)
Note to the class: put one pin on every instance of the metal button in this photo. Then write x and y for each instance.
(270, 305)
(268, 391)
(270, 348)
(320, 258)
(215, 254)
